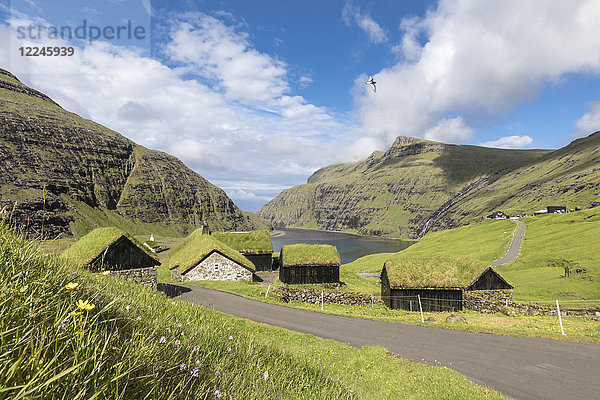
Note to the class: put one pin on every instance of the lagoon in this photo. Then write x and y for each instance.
(349, 246)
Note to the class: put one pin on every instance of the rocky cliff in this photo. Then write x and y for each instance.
(403, 192)
(62, 173)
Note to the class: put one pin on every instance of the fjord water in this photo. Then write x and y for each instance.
(348, 245)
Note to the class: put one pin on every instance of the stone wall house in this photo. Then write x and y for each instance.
(203, 257)
(439, 283)
(256, 246)
(112, 249)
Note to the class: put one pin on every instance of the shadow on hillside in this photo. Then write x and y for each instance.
(172, 290)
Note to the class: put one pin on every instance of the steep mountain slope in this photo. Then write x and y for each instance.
(569, 176)
(70, 174)
(394, 193)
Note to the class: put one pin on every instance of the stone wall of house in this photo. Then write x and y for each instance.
(215, 267)
(145, 276)
(310, 295)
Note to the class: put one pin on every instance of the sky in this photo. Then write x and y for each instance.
(257, 95)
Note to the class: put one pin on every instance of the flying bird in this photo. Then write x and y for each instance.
(371, 83)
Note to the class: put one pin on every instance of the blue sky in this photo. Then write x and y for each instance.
(257, 95)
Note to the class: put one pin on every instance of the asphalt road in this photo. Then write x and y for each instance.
(523, 368)
(514, 248)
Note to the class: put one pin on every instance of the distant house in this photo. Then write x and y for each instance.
(439, 282)
(556, 209)
(309, 263)
(256, 246)
(203, 257)
(115, 250)
(496, 215)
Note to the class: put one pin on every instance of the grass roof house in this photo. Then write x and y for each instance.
(115, 250)
(440, 282)
(203, 257)
(256, 246)
(309, 263)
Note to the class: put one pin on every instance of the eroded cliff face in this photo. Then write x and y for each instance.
(394, 193)
(57, 167)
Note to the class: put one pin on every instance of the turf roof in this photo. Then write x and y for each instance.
(90, 246)
(309, 254)
(247, 242)
(197, 246)
(433, 272)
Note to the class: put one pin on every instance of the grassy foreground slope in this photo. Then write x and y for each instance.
(551, 243)
(67, 333)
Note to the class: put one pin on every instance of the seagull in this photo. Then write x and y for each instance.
(372, 83)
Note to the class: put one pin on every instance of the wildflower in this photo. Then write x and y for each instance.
(162, 340)
(177, 342)
(182, 367)
(179, 325)
(266, 375)
(195, 372)
(197, 361)
(75, 313)
(196, 348)
(62, 325)
(218, 374)
(106, 273)
(128, 307)
(229, 349)
(228, 328)
(230, 337)
(168, 330)
(139, 318)
(121, 310)
(71, 285)
(218, 394)
(88, 287)
(84, 305)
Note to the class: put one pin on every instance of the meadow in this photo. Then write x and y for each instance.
(68, 333)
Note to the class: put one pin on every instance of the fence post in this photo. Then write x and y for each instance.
(371, 301)
(421, 308)
(560, 318)
(266, 294)
(410, 305)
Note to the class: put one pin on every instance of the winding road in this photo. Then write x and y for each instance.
(514, 248)
(524, 368)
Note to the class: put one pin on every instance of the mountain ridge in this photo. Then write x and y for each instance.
(418, 185)
(67, 174)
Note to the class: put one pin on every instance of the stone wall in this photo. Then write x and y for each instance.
(215, 267)
(145, 276)
(310, 295)
(493, 301)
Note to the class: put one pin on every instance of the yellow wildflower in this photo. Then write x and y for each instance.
(106, 273)
(84, 305)
(71, 285)
(75, 313)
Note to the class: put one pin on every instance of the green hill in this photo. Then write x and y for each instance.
(394, 193)
(71, 175)
(68, 333)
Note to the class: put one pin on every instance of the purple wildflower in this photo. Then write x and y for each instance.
(218, 394)
(230, 337)
(168, 330)
(179, 325)
(128, 307)
(139, 318)
(182, 367)
(196, 348)
(195, 372)
(218, 374)
(266, 375)
(62, 325)
(177, 342)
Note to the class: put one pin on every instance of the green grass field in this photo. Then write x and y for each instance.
(74, 334)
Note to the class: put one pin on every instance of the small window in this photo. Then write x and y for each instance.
(216, 267)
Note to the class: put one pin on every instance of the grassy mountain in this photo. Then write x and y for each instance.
(398, 192)
(68, 174)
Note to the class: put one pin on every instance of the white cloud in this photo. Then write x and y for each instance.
(480, 60)
(196, 108)
(590, 121)
(350, 14)
(510, 142)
